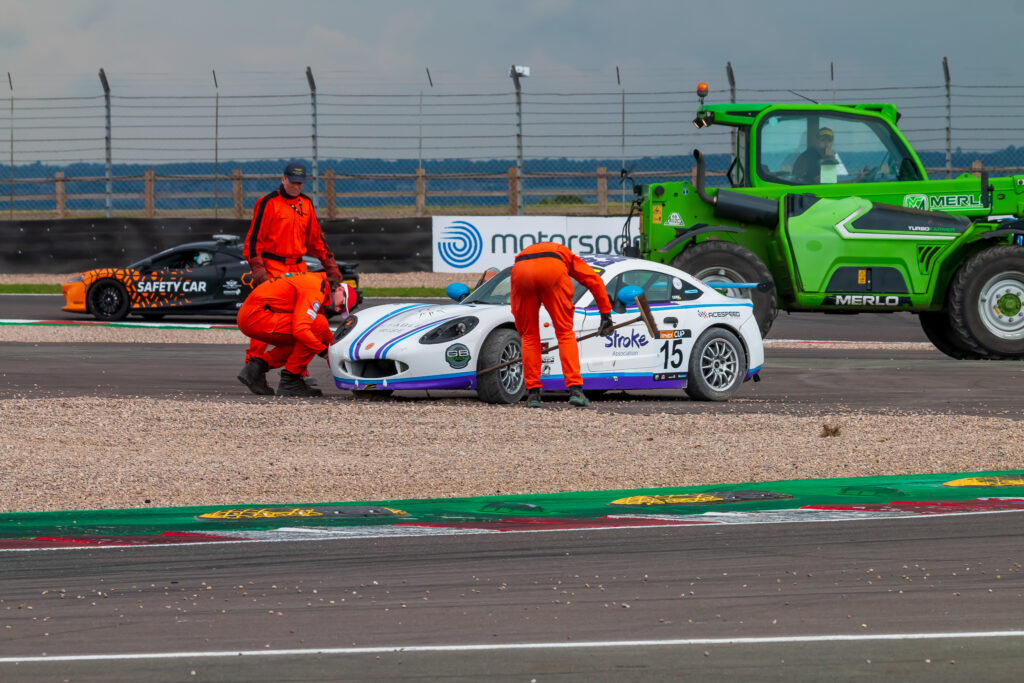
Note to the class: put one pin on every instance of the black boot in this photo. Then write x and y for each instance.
(254, 376)
(292, 385)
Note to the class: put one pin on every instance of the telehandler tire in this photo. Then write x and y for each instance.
(939, 329)
(719, 261)
(986, 302)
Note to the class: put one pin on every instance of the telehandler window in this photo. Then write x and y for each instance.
(812, 148)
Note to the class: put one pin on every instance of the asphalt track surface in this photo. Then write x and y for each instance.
(918, 599)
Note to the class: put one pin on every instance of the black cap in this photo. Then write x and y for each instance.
(296, 172)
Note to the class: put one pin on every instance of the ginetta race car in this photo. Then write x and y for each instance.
(198, 277)
(707, 343)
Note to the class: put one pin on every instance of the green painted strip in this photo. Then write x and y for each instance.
(578, 505)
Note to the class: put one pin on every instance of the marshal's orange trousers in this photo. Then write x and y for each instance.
(545, 281)
(258, 348)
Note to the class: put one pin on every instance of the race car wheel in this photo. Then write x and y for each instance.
(718, 365)
(718, 261)
(939, 329)
(506, 385)
(986, 302)
(108, 300)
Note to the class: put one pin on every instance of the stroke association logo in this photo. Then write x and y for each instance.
(460, 244)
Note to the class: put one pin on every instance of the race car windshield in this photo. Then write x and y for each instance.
(498, 289)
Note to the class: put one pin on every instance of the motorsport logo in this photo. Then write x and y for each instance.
(865, 300)
(942, 202)
(460, 244)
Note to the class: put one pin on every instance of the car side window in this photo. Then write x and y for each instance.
(659, 287)
(175, 260)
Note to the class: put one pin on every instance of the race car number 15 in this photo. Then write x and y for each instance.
(672, 354)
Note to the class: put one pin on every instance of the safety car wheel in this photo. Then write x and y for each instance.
(108, 300)
(986, 302)
(508, 384)
(718, 366)
(720, 261)
(939, 329)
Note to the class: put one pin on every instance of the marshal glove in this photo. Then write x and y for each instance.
(605, 329)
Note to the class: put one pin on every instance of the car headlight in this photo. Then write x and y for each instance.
(77, 278)
(344, 328)
(453, 329)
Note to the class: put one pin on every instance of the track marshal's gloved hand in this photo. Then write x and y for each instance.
(605, 329)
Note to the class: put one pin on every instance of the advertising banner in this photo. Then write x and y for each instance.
(475, 243)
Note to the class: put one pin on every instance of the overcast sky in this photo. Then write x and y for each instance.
(53, 47)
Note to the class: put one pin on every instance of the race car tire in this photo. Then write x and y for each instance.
(718, 366)
(506, 385)
(986, 302)
(939, 329)
(107, 299)
(720, 261)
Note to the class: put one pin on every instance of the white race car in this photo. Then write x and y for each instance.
(707, 344)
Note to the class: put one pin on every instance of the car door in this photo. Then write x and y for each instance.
(630, 349)
(187, 278)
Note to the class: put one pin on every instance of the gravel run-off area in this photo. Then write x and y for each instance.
(93, 452)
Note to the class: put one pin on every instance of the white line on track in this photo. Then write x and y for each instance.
(835, 638)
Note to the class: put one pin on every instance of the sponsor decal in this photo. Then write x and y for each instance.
(170, 287)
(718, 314)
(865, 300)
(233, 514)
(674, 334)
(633, 340)
(316, 306)
(457, 356)
(675, 220)
(702, 498)
(996, 481)
(460, 244)
(260, 513)
(475, 243)
(942, 202)
(666, 376)
(311, 313)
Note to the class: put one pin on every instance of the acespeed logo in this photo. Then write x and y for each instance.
(460, 244)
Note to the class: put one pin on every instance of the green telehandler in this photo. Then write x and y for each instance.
(831, 208)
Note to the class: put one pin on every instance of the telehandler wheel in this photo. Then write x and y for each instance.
(718, 261)
(986, 302)
(939, 329)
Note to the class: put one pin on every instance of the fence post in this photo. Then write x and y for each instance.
(421, 192)
(513, 191)
(602, 191)
(332, 209)
(148, 182)
(693, 175)
(976, 168)
(236, 182)
(58, 181)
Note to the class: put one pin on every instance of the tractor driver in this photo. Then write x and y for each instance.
(807, 167)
